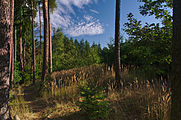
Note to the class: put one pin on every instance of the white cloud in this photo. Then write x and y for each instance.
(77, 3)
(94, 11)
(91, 26)
(60, 20)
(88, 18)
(65, 17)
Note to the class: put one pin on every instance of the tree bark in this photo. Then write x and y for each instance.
(12, 48)
(14, 55)
(20, 43)
(24, 53)
(40, 33)
(23, 49)
(15, 43)
(117, 46)
(33, 44)
(176, 66)
(46, 40)
(50, 39)
(5, 57)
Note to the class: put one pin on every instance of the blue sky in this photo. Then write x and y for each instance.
(93, 20)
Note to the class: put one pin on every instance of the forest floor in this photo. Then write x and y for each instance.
(34, 101)
(30, 105)
(137, 101)
(27, 103)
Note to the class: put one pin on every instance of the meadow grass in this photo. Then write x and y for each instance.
(136, 100)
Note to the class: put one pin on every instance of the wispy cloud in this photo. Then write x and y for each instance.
(65, 17)
(94, 11)
(77, 3)
(89, 26)
(88, 18)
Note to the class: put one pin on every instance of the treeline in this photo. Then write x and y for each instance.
(69, 53)
(36, 54)
(28, 49)
(148, 47)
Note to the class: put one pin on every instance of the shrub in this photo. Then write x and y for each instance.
(17, 73)
(93, 102)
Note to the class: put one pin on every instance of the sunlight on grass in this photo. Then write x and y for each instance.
(137, 99)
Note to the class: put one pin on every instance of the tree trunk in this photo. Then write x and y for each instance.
(40, 32)
(33, 44)
(117, 46)
(12, 48)
(24, 52)
(15, 43)
(46, 40)
(5, 57)
(50, 39)
(24, 49)
(176, 68)
(20, 43)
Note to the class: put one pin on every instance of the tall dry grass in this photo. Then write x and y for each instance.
(136, 100)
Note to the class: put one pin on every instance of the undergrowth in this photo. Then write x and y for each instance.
(136, 100)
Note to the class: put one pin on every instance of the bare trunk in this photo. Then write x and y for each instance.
(176, 68)
(12, 48)
(24, 53)
(46, 40)
(24, 50)
(20, 44)
(33, 45)
(117, 46)
(15, 43)
(5, 57)
(50, 39)
(40, 31)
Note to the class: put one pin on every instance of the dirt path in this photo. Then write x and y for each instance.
(35, 102)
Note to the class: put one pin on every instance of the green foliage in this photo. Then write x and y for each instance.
(69, 53)
(94, 103)
(17, 73)
(53, 5)
(148, 46)
(107, 54)
(159, 8)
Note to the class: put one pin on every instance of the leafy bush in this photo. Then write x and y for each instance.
(17, 73)
(93, 102)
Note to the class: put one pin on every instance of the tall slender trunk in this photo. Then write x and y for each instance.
(40, 33)
(50, 39)
(15, 43)
(46, 40)
(176, 67)
(12, 48)
(23, 48)
(5, 57)
(33, 44)
(117, 46)
(24, 52)
(15, 47)
(20, 43)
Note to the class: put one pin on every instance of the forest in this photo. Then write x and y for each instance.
(46, 74)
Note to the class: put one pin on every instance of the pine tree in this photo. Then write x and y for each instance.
(176, 71)
(50, 39)
(5, 57)
(117, 46)
(12, 45)
(40, 31)
(33, 44)
(46, 40)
